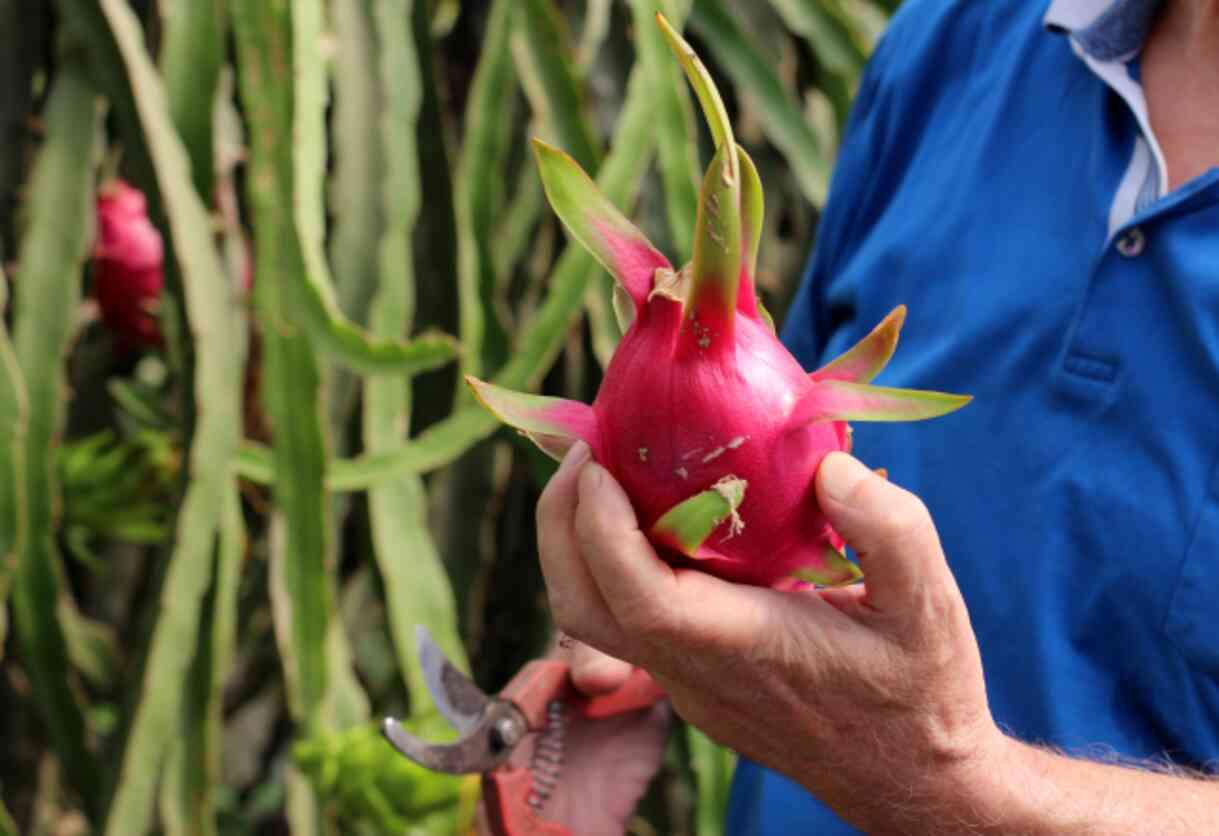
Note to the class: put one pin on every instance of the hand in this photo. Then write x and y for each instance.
(870, 696)
(607, 764)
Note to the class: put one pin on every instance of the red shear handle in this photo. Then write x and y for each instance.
(639, 691)
(505, 792)
(544, 680)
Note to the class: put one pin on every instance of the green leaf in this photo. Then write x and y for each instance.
(592, 35)
(563, 103)
(369, 784)
(781, 118)
(555, 89)
(686, 526)
(138, 403)
(299, 167)
(91, 646)
(537, 346)
(836, 45)
(713, 766)
(358, 167)
(188, 794)
(217, 322)
(308, 107)
(478, 193)
(677, 136)
(8, 827)
(13, 408)
(358, 351)
(282, 91)
(618, 181)
(515, 230)
(356, 222)
(346, 704)
(192, 55)
(833, 569)
(353, 124)
(59, 218)
(416, 584)
(436, 447)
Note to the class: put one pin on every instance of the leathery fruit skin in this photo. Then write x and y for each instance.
(128, 262)
(711, 426)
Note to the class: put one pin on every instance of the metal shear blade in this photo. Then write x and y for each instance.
(487, 746)
(459, 700)
(490, 728)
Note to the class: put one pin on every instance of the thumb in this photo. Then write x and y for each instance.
(593, 672)
(889, 528)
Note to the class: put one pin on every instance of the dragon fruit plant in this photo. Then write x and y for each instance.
(711, 426)
(127, 266)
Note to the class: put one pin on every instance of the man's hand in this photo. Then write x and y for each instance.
(870, 696)
(606, 764)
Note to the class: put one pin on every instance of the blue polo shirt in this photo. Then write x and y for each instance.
(1000, 178)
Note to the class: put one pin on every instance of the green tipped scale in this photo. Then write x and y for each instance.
(687, 526)
(700, 80)
(707, 421)
(599, 227)
(837, 570)
(866, 360)
(717, 244)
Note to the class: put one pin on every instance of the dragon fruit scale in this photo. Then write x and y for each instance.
(711, 426)
(128, 258)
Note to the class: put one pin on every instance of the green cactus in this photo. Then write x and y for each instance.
(213, 556)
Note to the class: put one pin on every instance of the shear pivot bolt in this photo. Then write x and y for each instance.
(508, 732)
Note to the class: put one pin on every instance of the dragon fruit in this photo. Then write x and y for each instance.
(711, 426)
(127, 266)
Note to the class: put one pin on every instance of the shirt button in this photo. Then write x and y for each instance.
(1132, 242)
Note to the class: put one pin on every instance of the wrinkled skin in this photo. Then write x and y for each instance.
(608, 763)
(864, 695)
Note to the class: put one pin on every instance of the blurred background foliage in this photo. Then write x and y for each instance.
(215, 542)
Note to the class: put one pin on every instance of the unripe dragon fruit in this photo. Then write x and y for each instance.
(711, 426)
(127, 265)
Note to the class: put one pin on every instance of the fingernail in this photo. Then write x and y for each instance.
(577, 455)
(840, 474)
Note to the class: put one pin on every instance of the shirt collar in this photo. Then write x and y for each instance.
(1106, 30)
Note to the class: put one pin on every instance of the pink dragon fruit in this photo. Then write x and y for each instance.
(708, 422)
(127, 265)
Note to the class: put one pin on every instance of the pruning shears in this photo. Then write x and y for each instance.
(540, 700)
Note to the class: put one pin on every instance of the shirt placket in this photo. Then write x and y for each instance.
(1091, 365)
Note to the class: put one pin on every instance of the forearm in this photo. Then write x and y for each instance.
(1027, 790)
